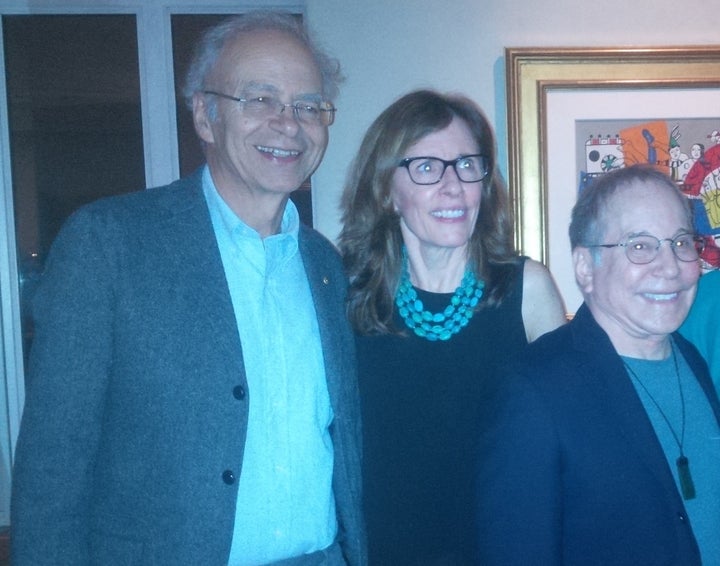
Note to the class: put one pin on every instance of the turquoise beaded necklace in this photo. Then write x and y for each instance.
(443, 325)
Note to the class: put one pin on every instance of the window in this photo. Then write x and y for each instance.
(75, 125)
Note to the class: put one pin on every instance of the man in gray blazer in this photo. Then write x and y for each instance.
(191, 396)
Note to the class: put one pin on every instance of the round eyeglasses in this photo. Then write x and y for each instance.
(429, 170)
(644, 249)
(312, 113)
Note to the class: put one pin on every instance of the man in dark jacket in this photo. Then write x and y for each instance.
(602, 445)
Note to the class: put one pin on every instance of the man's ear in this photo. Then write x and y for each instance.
(201, 118)
(584, 267)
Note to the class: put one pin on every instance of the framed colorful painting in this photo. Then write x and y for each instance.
(577, 113)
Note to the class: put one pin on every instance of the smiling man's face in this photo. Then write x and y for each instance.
(635, 303)
(274, 155)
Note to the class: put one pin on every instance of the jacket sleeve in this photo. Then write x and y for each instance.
(519, 493)
(66, 385)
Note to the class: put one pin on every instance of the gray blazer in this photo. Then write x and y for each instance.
(137, 400)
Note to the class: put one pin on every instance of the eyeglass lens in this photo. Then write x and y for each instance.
(644, 249)
(264, 107)
(306, 112)
(429, 170)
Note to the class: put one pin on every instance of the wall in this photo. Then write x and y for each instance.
(389, 47)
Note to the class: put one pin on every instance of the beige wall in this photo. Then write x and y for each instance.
(388, 47)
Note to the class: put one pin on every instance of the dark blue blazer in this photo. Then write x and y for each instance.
(571, 471)
(137, 400)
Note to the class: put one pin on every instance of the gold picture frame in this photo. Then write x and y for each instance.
(532, 74)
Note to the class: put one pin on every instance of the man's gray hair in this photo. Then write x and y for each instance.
(208, 49)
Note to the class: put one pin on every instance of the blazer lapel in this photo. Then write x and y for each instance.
(194, 265)
(321, 283)
(616, 393)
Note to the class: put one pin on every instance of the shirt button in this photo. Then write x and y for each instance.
(228, 477)
(239, 392)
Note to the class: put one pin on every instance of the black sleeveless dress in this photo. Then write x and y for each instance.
(421, 401)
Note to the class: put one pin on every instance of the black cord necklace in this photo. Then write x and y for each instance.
(687, 487)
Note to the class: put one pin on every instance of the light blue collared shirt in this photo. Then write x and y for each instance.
(285, 504)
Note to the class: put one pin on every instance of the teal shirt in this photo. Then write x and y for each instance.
(701, 443)
(701, 326)
(285, 504)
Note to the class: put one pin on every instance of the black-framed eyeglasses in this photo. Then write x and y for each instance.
(312, 113)
(429, 170)
(644, 249)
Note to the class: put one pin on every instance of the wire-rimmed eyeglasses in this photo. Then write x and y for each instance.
(307, 112)
(429, 170)
(644, 249)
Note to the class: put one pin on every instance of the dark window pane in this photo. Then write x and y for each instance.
(186, 31)
(75, 123)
